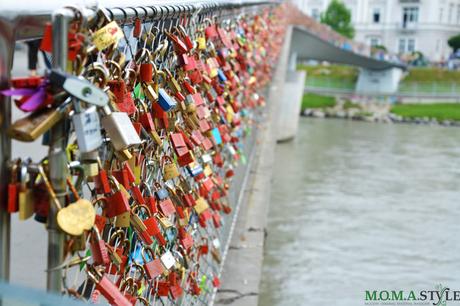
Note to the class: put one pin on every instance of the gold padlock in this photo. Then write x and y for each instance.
(207, 170)
(123, 155)
(34, 125)
(149, 91)
(201, 205)
(123, 220)
(201, 41)
(165, 222)
(170, 170)
(156, 137)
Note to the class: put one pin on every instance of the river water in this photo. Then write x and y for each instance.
(359, 206)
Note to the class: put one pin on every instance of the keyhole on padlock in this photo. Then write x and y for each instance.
(86, 91)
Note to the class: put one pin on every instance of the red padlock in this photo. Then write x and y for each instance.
(13, 191)
(98, 248)
(167, 207)
(109, 290)
(118, 252)
(122, 177)
(154, 267)
(162, 288)
(146, 72)
(116, 203)
(175, 289)
(101, 182)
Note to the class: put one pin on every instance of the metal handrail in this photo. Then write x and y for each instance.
(22, 23)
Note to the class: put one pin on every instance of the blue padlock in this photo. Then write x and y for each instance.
(221, 76)
(166, 102)
(216, 135)
(197, 169)
(161, 192)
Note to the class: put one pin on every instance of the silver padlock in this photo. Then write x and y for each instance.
(88, 129)
(168, 260)
(79, 88)
(206, 158)
(120, 129)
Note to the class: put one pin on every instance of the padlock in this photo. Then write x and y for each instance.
(167, 207)
(149, 198)
(108, 289)
(162, 288)
(204, 247)
(168, 260)
(185, 239)
(129, 288)
(173, 84)
(34, 125)
(154, 267)
(25, 200)
(87, 128)
(123, 220)
(122, 98)
(179, 46)
(118, 253)
(139, 225)
(79, 88)
(101, 181)
(149, 91)
(170, 170)
(215, 253)
(120, 130)
(166, 102)
(216, 220)
(201, 205)
(41, 201)
(146, 72)
(98, 248)
(117, 202)
(13, 188)
(122, 177)
(145, 118)
(75, 218)
(175, 288)
(161, 192)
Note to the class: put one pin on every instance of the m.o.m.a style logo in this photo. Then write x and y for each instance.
(441, 296)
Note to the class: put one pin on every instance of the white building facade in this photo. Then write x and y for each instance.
(402, 26)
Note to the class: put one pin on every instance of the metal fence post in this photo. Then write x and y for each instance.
(57, 158)
(6, 61)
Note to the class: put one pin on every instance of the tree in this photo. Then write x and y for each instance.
(454, 42)
(338, 17)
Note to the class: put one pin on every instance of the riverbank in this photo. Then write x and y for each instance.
(417, 80)
(446, 114)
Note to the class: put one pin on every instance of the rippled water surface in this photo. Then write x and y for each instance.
(358, 206)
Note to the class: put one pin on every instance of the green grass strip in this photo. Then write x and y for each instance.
(439, 111)
(311, 100)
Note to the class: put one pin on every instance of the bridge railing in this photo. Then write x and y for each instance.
(29, 24)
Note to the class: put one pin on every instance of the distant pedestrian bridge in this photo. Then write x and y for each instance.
(376, 76)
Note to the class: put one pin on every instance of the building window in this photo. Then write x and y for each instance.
(458, 13)
(402, 45)
(441, 13)
(406, 45)
(376, 15)
(451, 12)
(315, 13)
(374, 41)
(410, 15)
(411, 45)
